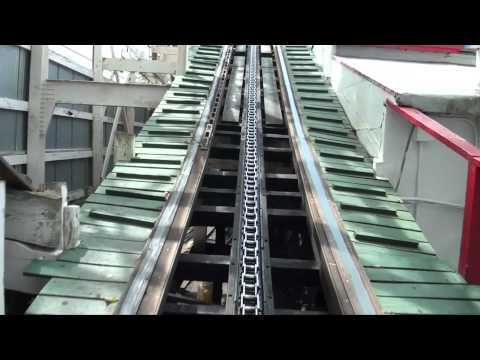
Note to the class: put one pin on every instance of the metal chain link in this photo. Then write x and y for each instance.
(250, 274)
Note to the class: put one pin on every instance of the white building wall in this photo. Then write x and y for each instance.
(433, 180)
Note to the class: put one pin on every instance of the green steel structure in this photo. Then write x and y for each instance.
(116, 221)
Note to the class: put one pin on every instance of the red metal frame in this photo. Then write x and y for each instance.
(469, 261)
(427, 48)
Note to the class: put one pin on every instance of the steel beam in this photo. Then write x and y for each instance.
(103, 93)
(22, 105)
(38, 115)
(142, 66)
(13, 104)
(97, 126)
(71, 154)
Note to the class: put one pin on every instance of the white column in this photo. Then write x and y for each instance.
(328, 54)
(2, 247)
(38, 115)
(98, 114)
(182, 56)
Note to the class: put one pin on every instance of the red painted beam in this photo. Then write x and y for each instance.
(437, 130)
(469, 260)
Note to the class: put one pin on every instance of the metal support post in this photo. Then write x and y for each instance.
(38, 115)
(469, 264)
(98, 114)
(182, 57)
(219, 249)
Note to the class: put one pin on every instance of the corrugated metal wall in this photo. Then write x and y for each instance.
(63, 133)
(14, 65)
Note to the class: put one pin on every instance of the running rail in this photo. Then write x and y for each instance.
(468, 264)
(358, 287)
(138, 285)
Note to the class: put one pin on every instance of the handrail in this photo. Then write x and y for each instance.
(469, 261)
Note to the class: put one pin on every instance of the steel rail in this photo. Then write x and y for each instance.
(356, 286)
(138, 286)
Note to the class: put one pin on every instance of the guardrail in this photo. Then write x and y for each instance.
(469, 261)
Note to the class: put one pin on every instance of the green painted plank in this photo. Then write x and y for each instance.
(382, 234)
(120, 211)
(144, 171)
(328, 130)
(413, 276)
(137, 185)
(370, 203)
(421, 248)
(131, 193)
(96, 257)
(98, 243)
(166, 141)
(106, 221)
(109, 292)
(363, 217)
(163, 118)
(115, 218)
(70, 270)
(331, 161)
(158, 159)
(182, 101)
(341, 169)
(361, 195)
(377, 182)
(56, 305)
(159, 124)
(359, 184)
(129, 202)
(153, 151)
(429, 291)
(156, 165)
(124, 232)
(318, 138)
(384, 257)
(327, 124)
(342, 154)
(428, 306)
